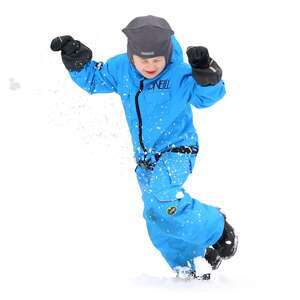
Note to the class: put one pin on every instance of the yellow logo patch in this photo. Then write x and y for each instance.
(171, 210)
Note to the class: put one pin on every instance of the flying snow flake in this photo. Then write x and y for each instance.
(13, 85)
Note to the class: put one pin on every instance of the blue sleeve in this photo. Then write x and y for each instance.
(204, 96)
(96, 77)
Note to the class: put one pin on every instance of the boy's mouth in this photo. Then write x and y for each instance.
(150, 72)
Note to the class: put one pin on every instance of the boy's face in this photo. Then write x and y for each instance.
(149, 67)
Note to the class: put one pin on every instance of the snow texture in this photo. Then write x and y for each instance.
(71, 223)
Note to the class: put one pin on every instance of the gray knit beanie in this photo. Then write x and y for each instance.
(148, 37)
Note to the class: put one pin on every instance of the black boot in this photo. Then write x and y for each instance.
(213, 258)
(226, 246)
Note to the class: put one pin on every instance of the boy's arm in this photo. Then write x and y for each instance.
(89, 75)
(204, 96)
(205, 84)
(95, 78)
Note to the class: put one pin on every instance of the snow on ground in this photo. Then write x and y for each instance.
(71, 223)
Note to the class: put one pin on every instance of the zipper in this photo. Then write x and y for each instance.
(140, 124)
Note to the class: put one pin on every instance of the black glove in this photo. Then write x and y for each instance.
(74, 54)
(204, 69)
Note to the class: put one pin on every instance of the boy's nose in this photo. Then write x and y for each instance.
(150, 68)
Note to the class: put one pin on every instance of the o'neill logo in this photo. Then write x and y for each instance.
(160, 84)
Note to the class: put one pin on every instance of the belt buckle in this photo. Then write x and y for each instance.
(190, 150)
(145, 165)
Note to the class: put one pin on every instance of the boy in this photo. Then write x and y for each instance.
(157, 90)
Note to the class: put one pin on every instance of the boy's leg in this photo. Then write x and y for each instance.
(179, 226)
(227, 245)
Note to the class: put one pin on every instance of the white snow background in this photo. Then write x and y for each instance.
(71, 223)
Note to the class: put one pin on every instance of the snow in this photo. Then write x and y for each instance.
(202, 266)
(71, 223)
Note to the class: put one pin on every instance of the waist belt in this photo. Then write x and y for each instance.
(148, 164)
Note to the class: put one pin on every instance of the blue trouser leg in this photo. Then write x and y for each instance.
(179, 226)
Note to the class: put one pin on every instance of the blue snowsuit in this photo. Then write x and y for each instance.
(159, 116)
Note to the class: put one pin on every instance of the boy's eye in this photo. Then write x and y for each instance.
(146, 61)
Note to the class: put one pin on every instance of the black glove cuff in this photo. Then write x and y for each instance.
(208, 76)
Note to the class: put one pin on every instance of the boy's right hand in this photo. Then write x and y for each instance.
(74, 54)
(198, 57)
(204, 69)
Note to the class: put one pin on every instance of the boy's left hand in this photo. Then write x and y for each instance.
(204, 69)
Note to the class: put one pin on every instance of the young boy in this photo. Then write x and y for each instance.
(157, 90)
